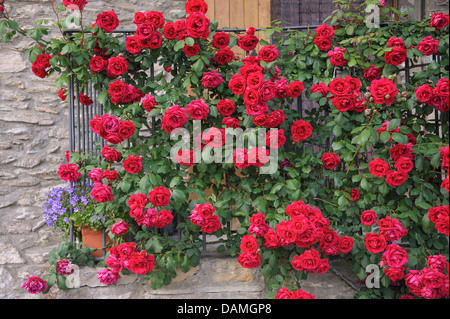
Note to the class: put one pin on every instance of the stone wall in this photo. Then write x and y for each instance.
(33, 141)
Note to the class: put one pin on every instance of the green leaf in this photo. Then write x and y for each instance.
(293, 184)
(180, 45)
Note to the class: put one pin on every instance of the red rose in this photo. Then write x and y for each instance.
(43, 60)
(192, 50)
(439, 101)
(391, 229)
(337, 57)
(340, 87)
(198, 110)
(159, 196)
(249, 260)
(378, 167)
(102, 193)
(126, 129)
(260, 119)
(396, 56)
(149, 103)
(271, 240)
(395, 273)
(69, 172)
(169, 31)
(193, 6)
(395, 256)
(212, 79)
(197, 25)
(295, 89)
(75, 4)
(110, 123)
(277, 135)
(39, 71)
(396, 178)
(221, 40)
(111, 176)
(251, 97)
(323, 44)
(118, 90)
(344, 103)
(96, 175)
(185, 157)
(308, 261)
(267, 91)
(437, 213)
(383, 91)
(325, 31)
(140, 263)
(354, 194)
(330, 160)
(437, 262)
(173, 118)
(247, 42)
(97, 64)
(372, 73)
(85, 99)
(404, 164)
(256, 109)
(275, 118)
(369, 218)
(145, 31)
(442, 86)
(445, 183)
(320, 88)
(249, 244)
(394, 42)
(375, 243)
(120, 228)
(238, 84)
(255, 80)
(439, 20)
(424, 93)
(111, 155)
(117, 66)
(133, 164)
(132, 45)
(400, 150)
(301, 130)
(268, 53)
(224, 56)
(231, 122)
(154, 42)
(156, 18)
(345, 244)
(428, 46)
(108, 21)
(226, 107)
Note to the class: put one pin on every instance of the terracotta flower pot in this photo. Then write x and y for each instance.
(94, 239)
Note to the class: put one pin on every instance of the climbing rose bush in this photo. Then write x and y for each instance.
(361, 168)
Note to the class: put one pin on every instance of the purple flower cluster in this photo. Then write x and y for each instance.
(60, 199)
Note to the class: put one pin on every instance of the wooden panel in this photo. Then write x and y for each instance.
(264, 17)
(223, 13)
(211, 14)
(237, 12)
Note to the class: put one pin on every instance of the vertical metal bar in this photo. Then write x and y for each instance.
(78, 115)
(70, 97)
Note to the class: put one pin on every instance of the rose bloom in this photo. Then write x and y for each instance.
(96, 175)
(395, 273)
(226, 107)
(35, 285)
(404, 164)
(231, 122)
(438, 263)
(64, 267)
(102, 193)
(247, 42)
(301, 130)
(238, 84)
(400, 150)
(169, 31)
(378, 167)
(375, 243)
(212, 79)
(339, 86)
(391, 229)
(108, 21)
(325, 31)
(107, 276)
(395, 256)
(330, 160)
(140, 263)
(344, 103)
(354, 194)
(345, 244)
(117, 66)
(277, 135)
(126, 129)
(197, 25)
(249, 244)
(75, 4)
(220, 40)
(132, 45)
(396, 178)
(198, 110)
(383, 91)
(69, 172)
(192, 50)
(369, 218)
(396, 56)
(396, 43)
(185, 158)
(271, 240)
(224, 56)
(428, 46)
(173, 118)
(258, 225)
(337, 57)
(295, 89)
(439, 20)
(320, 88)
(133, 164)
(445, 183)
(159, 196)
(119, 228)
(308, 261)
(249, 260)
(97, 64)
(323, 44)
(424, 93)
(372, 73)
(268, 53)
